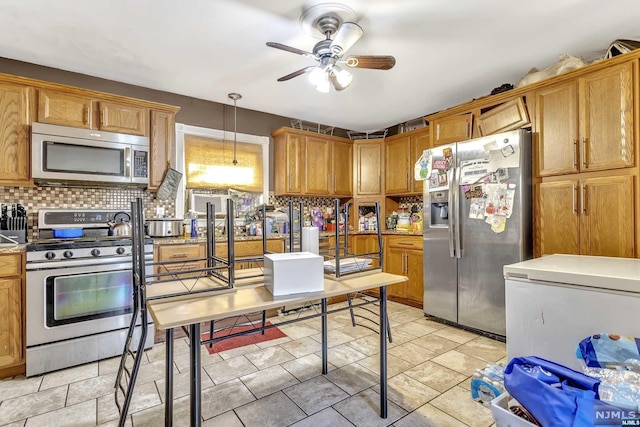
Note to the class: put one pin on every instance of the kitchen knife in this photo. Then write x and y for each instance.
(3, 217)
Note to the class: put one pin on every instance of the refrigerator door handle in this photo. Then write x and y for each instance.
(450, 202)
(456, 208)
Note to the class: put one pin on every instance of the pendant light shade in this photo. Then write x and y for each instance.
(235, 97)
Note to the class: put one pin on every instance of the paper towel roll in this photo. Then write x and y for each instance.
(310, 240)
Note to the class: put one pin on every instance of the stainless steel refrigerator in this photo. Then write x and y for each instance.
(477, 218)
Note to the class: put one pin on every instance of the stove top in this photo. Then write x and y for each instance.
(81, 242)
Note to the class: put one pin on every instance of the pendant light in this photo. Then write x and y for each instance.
(235, 97)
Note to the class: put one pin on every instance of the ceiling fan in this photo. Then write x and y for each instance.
(329, 52)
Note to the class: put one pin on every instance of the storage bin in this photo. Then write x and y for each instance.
(503, 416)
(293, 273)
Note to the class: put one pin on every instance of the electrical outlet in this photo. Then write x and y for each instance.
(159, 211)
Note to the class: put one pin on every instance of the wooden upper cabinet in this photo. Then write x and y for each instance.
(397, 155)
(15, 106)
(123, 118)
(317, 166)
(451, 129)
(342, 168)
(505, 117)
(419, 142)
(162, 146)
(606, 115)
(288, 160)
(368, 163)
(556, 126)
(65, 109)
(557, 221)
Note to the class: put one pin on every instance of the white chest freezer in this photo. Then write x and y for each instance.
(554, 302)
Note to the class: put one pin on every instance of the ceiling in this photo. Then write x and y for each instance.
(447, 52)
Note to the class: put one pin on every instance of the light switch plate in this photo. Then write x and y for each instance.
(159, 211)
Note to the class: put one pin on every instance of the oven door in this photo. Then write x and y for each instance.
(72, 302)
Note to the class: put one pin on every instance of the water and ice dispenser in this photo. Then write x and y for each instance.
(439, 208)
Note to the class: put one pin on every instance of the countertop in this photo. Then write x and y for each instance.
(619, 274)
(10, 248)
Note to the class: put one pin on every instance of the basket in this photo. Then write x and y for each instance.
(503, 416)
(367, 135)
(312, 127)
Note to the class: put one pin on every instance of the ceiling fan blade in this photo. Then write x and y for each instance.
(291, 49)
(348, 34)
(373, 62)
(295, 74)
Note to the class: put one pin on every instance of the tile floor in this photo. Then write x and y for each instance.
(278, 383)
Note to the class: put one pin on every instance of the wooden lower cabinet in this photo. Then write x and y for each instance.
(11, 315)
(403, 255)
(587, 216)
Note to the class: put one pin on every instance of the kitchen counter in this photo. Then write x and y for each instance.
(10, 248)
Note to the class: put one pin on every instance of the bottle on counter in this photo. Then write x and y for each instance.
(194, 227)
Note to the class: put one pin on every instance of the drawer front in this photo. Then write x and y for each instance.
(407, 242)
(249, 248)
(178, 252)
(10, 265)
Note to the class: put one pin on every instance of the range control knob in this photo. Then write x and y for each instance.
(120, 250)
(68, 254)
(95, 252)
(50, 255)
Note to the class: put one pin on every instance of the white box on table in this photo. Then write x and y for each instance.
(293, 273)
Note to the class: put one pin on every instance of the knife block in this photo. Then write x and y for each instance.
(19, 236)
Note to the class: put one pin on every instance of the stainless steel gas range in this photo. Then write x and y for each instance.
(79, 290)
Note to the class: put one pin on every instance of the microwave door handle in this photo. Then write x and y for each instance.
(128, 151)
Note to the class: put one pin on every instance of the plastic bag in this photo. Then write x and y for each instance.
(610, 351)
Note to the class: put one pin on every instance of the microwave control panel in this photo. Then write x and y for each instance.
(140, 164)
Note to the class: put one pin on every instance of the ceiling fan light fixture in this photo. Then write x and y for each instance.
(343, 77)
(317, 75)
(323, 86)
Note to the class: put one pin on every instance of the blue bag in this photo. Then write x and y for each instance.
(554, 394)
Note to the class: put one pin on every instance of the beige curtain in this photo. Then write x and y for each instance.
(209, 164)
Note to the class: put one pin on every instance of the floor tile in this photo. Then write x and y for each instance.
(228, 419)
(352, 378)
(182, 384)
(358, 331)
(67, 376)
(332, 323)
(418, 327)
(115, 423)
(363, 410)
(268, 380)
(411, 352)
(224, 397)
(158, 351)
(153, 417)
(274, 410)
(405, 317)
(315, 394)
(32, 404)
(91, 388)
(459, 362)
(428, 416)
(145, 396)
(408, 393)
(435, 376)
(302, 347)
(239, 351)
(153, 371)
(20, 423)
(269, 356)
(457, 403)
(334, 338)
(19, 386)
(108, 366)
(274, 342)
(326, 418)
(368, 345)
(183, 361)
(80, 415)
(458, 335)
(343, 355)
(484, 348)
(395, 365)
(306, 367)
(295, 331)
(229, 369)
(399, 336)
(435, 343)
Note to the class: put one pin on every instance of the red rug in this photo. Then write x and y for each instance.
(241, 341)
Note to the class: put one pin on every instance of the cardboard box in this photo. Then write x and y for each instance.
(293, 273)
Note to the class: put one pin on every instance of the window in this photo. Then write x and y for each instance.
(205, 158)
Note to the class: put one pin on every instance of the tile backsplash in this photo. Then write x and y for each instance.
(36, 198)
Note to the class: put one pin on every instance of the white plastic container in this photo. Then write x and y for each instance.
(503, 416)
(293, 273)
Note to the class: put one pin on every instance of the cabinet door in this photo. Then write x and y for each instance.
(607, 218)
(14, 132)
(161, 146)
(395, 263)
(123, 118)
(342, 168)
(415, 286)
(606, 108)
(556, 125)
(288, 163)
(557, 220)
(396, 176)
(65, 109)
(419, 143)
(508, 116)
(368, 163)
(10, 322)
(451, 129)
(317, 166)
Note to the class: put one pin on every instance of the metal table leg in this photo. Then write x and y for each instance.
(194, 365)
(168, 375)
(325, 362)
(383, 352)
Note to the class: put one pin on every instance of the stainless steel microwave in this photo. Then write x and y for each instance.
(66, 154)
